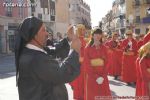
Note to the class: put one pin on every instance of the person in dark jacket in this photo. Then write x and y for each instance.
(38, 74)
(50, 40)
(59, 50)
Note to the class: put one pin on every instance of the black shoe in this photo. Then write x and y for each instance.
(129, 84)
(116, 78)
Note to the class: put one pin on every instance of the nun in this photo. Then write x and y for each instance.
(38, 74)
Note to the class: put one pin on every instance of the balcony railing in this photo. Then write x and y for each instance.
(136, 3)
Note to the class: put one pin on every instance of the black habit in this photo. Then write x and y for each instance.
(39, 76)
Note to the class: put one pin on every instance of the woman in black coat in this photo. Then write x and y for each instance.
(38, 75)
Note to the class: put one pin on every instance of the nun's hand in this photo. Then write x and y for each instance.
(76, 44)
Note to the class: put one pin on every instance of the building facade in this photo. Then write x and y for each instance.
(11, 15)
(128, 14)
(55, 14)
(79, 13)
(62, 16)
(141, 17)
(46, 11)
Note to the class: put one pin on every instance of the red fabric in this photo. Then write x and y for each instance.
(139, 79)
(128, 73)
(92, 89)
(78, 83)
(145, 64)
(147, 38)
(114, 62)
(140, 43)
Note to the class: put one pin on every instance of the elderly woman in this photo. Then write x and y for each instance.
(37, 73)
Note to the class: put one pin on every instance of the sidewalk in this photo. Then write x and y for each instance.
(6, 55)
(7, 63)
(8, 89)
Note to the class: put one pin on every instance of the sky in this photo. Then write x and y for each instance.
(99, 9)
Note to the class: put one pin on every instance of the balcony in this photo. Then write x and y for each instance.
(146, 1)
(146, 20)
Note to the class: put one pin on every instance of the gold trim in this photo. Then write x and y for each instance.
(97, 62)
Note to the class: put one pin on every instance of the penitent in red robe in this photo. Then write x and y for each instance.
(115, 54)
(139, 78)
(146, 38)
(78, 83)
(93, 90)
(128, 73)
(139, 44)
(144, 65)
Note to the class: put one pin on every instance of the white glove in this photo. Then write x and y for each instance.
(51, 47)
(99, 80)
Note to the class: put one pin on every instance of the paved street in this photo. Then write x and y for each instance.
(8, 90)
(6, 64)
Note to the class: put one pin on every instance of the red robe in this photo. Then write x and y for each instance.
(128, 73)
(140, 43)
(78, 83)
(139, 78)
(145, 64)
(114, 62)
(147, 38)
(92, 88)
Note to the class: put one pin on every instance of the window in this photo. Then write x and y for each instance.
(78, 8)
(137, 31)
(52, 7)
(11, 40)
(9, 11)
(137, 2)
(148, 1)
(21, 12)
(137, 19)
(52, 18)
(146, 30)
(44, 3)
(40, 16)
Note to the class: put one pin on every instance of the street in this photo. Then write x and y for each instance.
(8, 89)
